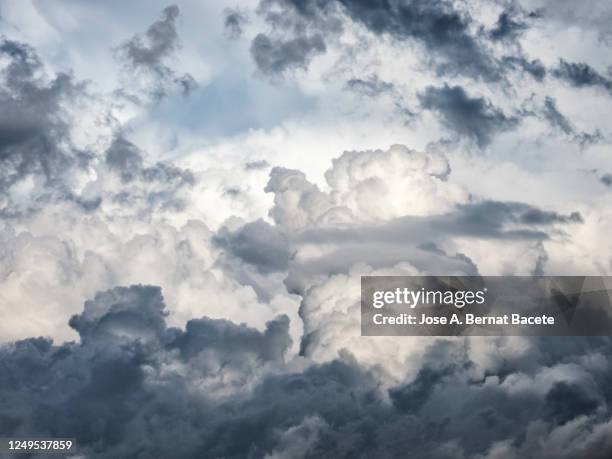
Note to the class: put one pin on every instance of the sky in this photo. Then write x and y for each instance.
(190, 192)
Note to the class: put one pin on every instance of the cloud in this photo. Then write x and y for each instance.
(35, 130)
(256, 165)
(79, 254)
(275, 56)
(125, 158)
(507, 27)
(300, 439)
(370, 87)
(534, 67)
(359, 182)
(298, 202)
(150, 186)
(565, 400)
(594, 18)
(254, 349)
(298, 33)
(128, 370)
(148, 57)
(560, 122)
(97, 214)
(328, 263)
(555, 117)
(361, 179)
(161, 41)
(473, 117)
(497, 213)
(338, 235)
(257, 243)
(42, 163)
(127, 314)
(580, 75)
(131, 384)
(436, 225)
(438, 26)
(234, 21)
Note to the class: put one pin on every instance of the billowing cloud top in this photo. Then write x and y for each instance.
(190, 193)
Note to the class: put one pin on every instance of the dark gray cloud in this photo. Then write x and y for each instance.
(565, 400)
(186, 83)
(594, 17)
(411, 397)
(256, 254)
(161, 40)
(256, 165)
(150, 54)
(373, 86)
(443, 30)
(111, 385)
(473, 117)
(419, 238)
(491, 216)
(275, 56)
(370, 87)
(297, 34)
(126, 159)
(560, 122)
(132, 385)
(32, 125)
(606, 179)
(580, 75)
(535, 67)
(507, 27)
(555, 117)
(123, 314)
(35, 135)
(36, 130)
(257, 243)
(437, 25)
(234, 20)
(233, 342)
(232, 191)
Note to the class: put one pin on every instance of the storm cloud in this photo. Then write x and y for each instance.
(180, 276)
(131, 384)
(473, 117)
(111, 385)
